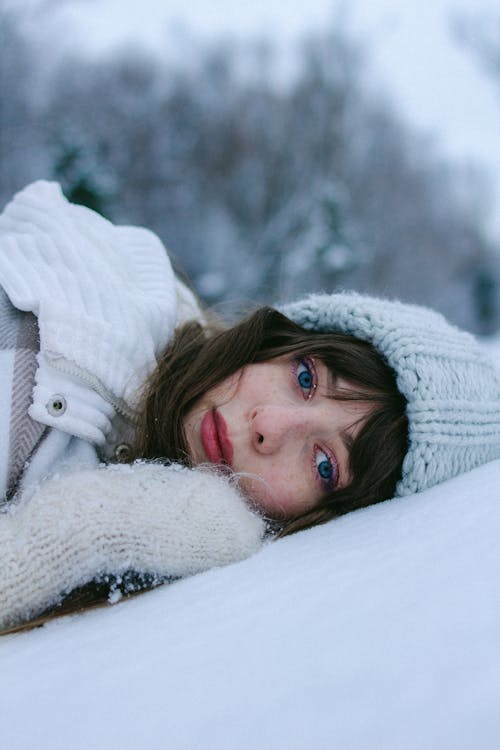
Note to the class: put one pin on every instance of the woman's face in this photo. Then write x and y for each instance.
(274, 423)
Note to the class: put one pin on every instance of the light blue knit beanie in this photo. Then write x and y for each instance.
(452, 389)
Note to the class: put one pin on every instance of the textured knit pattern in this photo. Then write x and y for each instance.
(452, 389)
(105, 299)
(161, 522)
(18, 347)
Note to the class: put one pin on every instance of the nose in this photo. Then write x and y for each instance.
(273, 426)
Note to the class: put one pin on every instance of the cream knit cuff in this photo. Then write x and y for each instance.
(159, 521)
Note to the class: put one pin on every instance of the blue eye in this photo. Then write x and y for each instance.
(306, 377)
(326, 468)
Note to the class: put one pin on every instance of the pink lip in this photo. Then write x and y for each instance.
(215, 440)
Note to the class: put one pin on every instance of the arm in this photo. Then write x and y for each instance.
(105, 299)
(155, 520)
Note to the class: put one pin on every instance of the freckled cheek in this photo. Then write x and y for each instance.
(281, 497)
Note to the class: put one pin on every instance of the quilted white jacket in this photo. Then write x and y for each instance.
(107, 303)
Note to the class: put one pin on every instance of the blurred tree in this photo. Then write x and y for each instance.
(481, 33)
(486, 298)
(80, 174)
(264, 188)
(21, 152)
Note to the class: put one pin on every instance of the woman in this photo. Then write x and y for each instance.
(337, 402)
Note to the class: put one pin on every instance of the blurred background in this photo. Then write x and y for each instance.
(276, 146)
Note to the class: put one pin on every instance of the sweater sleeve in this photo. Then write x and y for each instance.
(105, 299)
(159, 521)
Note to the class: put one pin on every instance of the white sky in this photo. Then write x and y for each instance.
(438, 85)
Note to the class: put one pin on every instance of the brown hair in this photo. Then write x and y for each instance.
(197, 360)
(201, 357)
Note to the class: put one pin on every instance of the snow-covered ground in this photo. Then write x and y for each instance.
(379, 631)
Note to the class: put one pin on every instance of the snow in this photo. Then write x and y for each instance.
(379, 630)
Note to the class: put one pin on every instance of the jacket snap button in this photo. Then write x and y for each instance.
(122, 452)
(56, 406)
